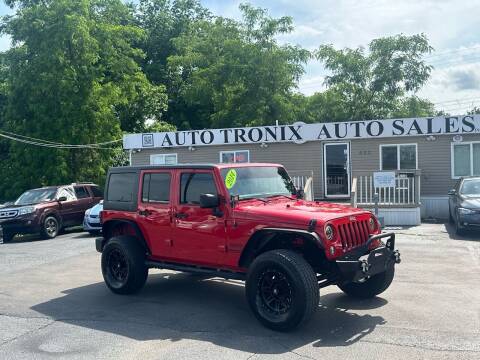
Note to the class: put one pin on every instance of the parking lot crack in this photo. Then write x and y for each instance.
(26, 333)
(419, 346)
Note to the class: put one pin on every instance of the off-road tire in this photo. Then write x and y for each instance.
(130, 276)
(50, 227)
(297, 276)
(372, 287)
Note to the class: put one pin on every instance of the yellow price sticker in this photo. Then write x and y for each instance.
(230, 178)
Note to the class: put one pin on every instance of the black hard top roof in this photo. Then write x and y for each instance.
(150, 167)
(189, 166)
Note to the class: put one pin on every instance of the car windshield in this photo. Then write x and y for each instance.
(470, 187)
(36, 196)
(257, 182)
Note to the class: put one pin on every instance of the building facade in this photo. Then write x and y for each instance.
(427, 156)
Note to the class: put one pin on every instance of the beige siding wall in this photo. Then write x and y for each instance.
(434, 158)
(296, 158)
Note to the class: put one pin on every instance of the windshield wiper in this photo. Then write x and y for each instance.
(288, 197)
(255, 198)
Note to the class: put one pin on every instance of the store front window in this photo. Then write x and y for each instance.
(163, 159)
(465, 159)
(398, 157)
(235, 156)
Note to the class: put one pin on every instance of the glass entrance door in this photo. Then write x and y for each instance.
(336, 169)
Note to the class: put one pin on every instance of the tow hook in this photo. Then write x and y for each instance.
(396, 255)
(365, 266)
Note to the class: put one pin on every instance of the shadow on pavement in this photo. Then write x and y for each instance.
(180, 306)
(469, 234)
(38, 237)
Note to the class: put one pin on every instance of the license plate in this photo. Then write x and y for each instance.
(377, 260)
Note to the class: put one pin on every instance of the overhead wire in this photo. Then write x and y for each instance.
(50, 144)
(57, 143)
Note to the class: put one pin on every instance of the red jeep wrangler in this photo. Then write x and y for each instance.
(241, 221)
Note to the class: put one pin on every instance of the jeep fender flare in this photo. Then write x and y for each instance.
(109, 225)
(263, 237)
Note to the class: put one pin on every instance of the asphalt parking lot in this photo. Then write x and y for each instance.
(54, 304)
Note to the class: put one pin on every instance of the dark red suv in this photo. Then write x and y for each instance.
(241, 221)
(47, 210)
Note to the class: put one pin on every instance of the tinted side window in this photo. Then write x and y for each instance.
(96, 191)
(156, 188)
(192, 185)
(121, 187)
(81, 192)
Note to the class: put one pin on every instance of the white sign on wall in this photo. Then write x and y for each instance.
(300, 132)
(384, 179)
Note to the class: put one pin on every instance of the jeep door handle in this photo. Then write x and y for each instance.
(145, 212)
(181, 215)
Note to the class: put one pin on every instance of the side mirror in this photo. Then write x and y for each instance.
(452, 192)
(209, 201)
(300, 194)
(62, 198)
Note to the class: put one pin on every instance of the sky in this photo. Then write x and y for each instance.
(450, 25)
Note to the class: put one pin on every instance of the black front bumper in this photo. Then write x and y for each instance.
(364, 263)
(19, 225)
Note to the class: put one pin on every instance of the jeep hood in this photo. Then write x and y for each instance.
(298, 212)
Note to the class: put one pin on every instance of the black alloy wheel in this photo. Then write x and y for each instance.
(117, 268)
(123, 265)
(282, 289)
(275, 292)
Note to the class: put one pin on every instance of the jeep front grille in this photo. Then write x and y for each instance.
(353, 234)
(5, 214)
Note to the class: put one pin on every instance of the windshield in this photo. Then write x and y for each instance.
(471, 187)
(36, 196)
(257, 182)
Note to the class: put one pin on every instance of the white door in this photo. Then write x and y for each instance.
(336, 170)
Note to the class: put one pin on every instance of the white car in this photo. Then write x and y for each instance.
(91, 221)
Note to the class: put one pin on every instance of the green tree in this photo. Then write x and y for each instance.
(73, 77)
(377, 83)
(474, 111)
(234, 73)
(163, 21)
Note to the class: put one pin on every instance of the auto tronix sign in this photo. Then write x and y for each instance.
(300, 133)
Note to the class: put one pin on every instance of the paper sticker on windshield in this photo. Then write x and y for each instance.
(231, 178)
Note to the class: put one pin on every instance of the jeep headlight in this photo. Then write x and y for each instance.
(329, 232)
(26, 210)
(463, 211)
(372, 224)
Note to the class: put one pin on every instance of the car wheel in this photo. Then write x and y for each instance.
(123, 265)
(459, 229)
(450, 217)
(50, 227)
(371, 287)
(7, 237)
(282, 289)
